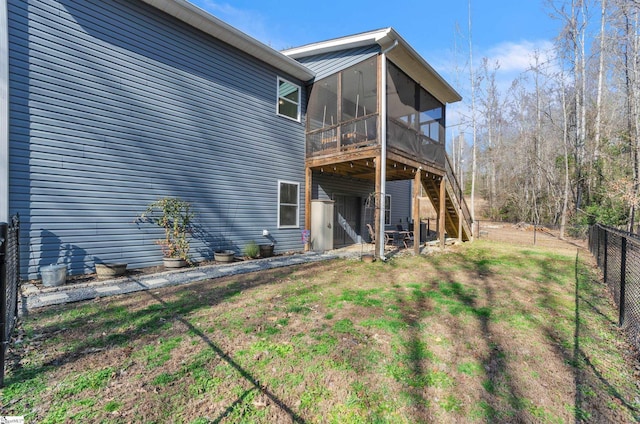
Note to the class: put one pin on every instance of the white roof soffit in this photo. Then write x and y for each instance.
(403, 55)
(198, 18)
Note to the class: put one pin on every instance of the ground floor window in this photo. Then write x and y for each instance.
(288, 204)
(387, 210)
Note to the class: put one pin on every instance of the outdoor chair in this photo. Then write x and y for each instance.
(404, 236)
(372, 235)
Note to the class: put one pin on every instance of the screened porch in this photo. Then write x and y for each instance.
(343, 115)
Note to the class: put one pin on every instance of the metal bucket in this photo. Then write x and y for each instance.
(54, 275)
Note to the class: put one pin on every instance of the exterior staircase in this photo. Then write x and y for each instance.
(457, 219)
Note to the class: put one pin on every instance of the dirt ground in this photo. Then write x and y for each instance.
(526, 234)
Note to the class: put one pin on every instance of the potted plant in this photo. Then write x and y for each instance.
(224, 255)
(110, 270)
(251, 250)
(174, 216)
(266, 250)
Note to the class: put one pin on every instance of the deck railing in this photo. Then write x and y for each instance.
(363, 132)
(359, 132)
(415, 145)
(457, 192)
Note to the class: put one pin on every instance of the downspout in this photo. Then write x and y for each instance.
(4, 111)
(383, 145)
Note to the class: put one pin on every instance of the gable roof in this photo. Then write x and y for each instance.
(329, 63)
(402, 55)
(198, 18)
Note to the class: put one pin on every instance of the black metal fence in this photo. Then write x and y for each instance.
(9, 280)
(618, 256)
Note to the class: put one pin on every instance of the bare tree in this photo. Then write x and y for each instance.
(601, 70)
(473, 121)
(565, 145)
(491, 111)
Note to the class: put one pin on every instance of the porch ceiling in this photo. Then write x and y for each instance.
(362, 165)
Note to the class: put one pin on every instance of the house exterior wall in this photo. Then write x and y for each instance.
(114, 105)
(401, 194)
(4, 113)
(326, 186)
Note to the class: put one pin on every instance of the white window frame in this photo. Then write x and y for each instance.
(284, 99)
(387, 207)
(297, 204)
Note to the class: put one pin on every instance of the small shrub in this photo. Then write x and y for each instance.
(252, 250)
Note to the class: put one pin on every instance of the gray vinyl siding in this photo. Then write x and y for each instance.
(114, 104)
(325, 186)
(401, 193)
(329, 63)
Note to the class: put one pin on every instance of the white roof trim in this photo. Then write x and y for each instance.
(202, 20)
(337, 44)
(384, 38)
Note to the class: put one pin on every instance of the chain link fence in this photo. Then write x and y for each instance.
(618, 256)
(523, 233)
(9, 280)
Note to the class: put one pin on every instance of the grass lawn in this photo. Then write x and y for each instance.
(485, 332)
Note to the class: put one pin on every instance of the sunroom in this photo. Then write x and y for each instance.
(352, 128)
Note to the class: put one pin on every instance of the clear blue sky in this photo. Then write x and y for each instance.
(508, 31)
(501, 28)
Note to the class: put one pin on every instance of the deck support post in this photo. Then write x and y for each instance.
(417, 184)
(307, 204)
(377, 211)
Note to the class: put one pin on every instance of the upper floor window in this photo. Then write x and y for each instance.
(288, 99)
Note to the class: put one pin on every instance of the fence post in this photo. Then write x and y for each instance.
(606, 248)
(623, 279)
(599, 241)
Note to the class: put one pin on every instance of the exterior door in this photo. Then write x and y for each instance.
(346, 220)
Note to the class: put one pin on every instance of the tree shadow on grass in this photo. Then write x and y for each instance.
(416, 347)
(415, 355)
(588, 378)
(229, 360)
(499, 382)
(128, 326)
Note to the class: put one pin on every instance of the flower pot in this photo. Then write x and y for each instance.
(266, 250)
(368, 258)
(224, 255)
(54, 275)
(113, 270)
(174, 262)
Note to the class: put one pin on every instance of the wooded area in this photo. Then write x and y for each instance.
(560, 146)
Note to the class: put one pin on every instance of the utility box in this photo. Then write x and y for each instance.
(321, 225)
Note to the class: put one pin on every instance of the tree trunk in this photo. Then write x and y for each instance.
(565, 142)
(473, 122)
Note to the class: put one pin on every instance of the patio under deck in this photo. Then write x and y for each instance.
(438, 182)
(387, 108)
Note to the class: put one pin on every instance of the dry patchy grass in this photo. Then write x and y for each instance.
(485, 332)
